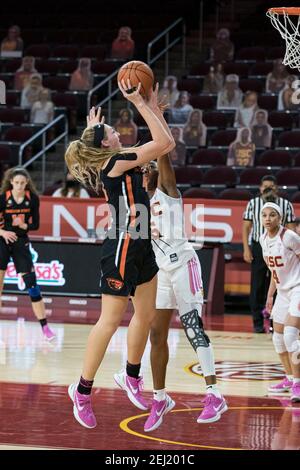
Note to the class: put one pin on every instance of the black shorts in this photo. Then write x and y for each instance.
(19, 252)
(125, 264)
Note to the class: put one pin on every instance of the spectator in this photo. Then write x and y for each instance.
(123, 46)
(261, 130)
(297, 225)
(285, 101)
(230, 97)
(241, 151)
(126, 128)
(213, 82)
(244, 116)
(71, 188)
(194, 132)
(31, 92)
(42, 111)
(252, 226)
(222, 49)
(13, 42)
(24, 73)
(82, 78)
(181, 110)
(276, 79)
(169, 92)
(178, 154)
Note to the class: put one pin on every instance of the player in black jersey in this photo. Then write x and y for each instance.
(127, 263)
(19, 213)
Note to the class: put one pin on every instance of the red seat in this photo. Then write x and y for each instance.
(95, 52)
(261, 68)
(215, 119)
(289, 177)
(268, 102)
(251, 84)
(47, 66)
(251, 53)
(289, 139)
(189, 175)
(223, 175)
(12, 65)
(201, 193)
(253, 176)
(67, 100)
(275, 53)
(242, 70)
(275, 158)
(5, 153)
(281, 119)
(208, 157)
(18, 134)
(236, 194)
(12, 115)
(38, 50)
(12, 98)
(192, 85)
(203, 102)
(56, 83)
(297, 159)
(103, 67)
(296, 197)
(68, 66)
(223, 138)
(70, 52)
(200, 69)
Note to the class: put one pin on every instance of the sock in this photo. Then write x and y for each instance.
(133, 370)
(206, 360)
(214, 390)
(159, 395)
(43, 322)
(85, 386)
(296, 381)
(289, 377)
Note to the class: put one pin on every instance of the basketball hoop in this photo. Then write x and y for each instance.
(287, 21)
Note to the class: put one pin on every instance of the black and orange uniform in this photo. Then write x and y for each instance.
(28, 212)
(127, 257)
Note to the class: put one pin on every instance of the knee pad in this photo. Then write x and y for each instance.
(291, 338)
(193, 328)
(33, 289)
(278, 341)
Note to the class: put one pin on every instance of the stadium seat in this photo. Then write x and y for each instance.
(289, 177)
(68, 66)
(251, 53)
(281, 119)
(297, 160)
(67, 100)
(261, 68)
(275, 158)
(296, 197)
(251, 84)
(275, 52)
(200, 69)
(268, 102)
(70, 52)
(47, 66)
(221, 175)
(103, 67)
(38, 50)
(208, 157)
(189, 175)
(223, 138)
(192, 85)
(5, 153)
(56, 83)
(12, 65)
(289, 139)
(236, 194)
(201, 193)
(18, 134)
(13, 98)
(203, 101)
(215, 119)
(94, 52)
(253, 176)
(242, 70)
(15, 115)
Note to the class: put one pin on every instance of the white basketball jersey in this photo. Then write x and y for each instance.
(280, 254)
(169, 241)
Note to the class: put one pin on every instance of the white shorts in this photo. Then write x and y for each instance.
(286, 303)
(181, 288)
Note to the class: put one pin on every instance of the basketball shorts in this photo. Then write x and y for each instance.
(125, 264)
(19, 252)
(286, 303)
(180, 288)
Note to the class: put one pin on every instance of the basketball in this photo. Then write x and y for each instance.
(137, 71)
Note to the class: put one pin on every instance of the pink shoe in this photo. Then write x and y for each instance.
(213, 408)
(133, 387)
(48, 333)
(295, 398)
(82, 408)
(158, 410)
(284, 386)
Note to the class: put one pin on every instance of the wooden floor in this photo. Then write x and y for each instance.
(36, 412)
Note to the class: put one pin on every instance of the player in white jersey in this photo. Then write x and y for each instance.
(281, 252)
(179, 287)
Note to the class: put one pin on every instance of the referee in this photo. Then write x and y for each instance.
(253, 254)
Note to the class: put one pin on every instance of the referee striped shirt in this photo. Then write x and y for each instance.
(252, 213)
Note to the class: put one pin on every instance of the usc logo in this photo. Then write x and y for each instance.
(275, 261)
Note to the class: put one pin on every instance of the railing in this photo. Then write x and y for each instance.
(168, 44)
(45, 148)
(108, 80)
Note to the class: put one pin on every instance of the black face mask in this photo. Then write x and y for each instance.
(72, 184)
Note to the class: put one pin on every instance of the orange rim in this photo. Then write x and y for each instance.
(282, 10)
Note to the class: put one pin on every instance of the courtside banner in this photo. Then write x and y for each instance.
(205, 220)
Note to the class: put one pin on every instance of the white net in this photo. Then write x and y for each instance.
(289, 28)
